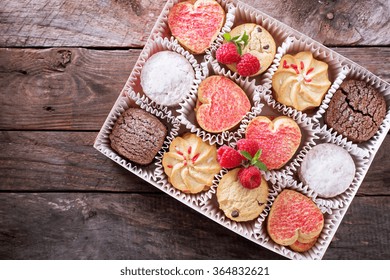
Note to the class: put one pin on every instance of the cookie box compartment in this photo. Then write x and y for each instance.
(187, 113)
(181, 120)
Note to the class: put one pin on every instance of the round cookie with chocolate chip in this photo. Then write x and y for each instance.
(260, 44)
(356, 111)
(239, 203)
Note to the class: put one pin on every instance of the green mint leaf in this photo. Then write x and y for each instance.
(261, 166)
(234, 39)
(227, 37)
(257, 155)
(246, 155)
(239, 49)
(245, 38)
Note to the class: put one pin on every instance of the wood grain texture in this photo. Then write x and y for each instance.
(61, 88)
(62, 66)
(332, 22)
(75, 88)
(133, 226)
(127, 23)
(72, 23)
(57, 161)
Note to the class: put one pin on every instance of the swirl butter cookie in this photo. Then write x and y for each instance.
(301, 81)
(191, 164)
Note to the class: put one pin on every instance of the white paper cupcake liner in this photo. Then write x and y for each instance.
(162, 179)
(160, 44)
(294, 45)
(259, 91)
(355, 72)
(318, 250)
(210, 207)
(307, 130)
(187, 114)
(161, 28)
(329, 204)
(102, 142)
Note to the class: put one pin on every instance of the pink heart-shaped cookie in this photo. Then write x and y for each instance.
(221, 104)
(294, 217)
(278, 139)
(196, 24)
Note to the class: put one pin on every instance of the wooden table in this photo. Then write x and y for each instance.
(63, 63)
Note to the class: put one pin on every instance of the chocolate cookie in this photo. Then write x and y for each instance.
(356, 111)
(138, 136)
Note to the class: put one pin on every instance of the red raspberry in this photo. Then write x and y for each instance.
(228, 157)
(250, 177)
(249, 145)
(248, 65)
(227, 54)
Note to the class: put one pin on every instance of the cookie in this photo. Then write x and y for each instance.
(190, 163)
(196, 24)
(221, 104)
(260, 44)
(238, 203)
(167, 77)
(301, 81)
(294, 217)
(356, 111)
(138, 136)
(327, 169)
(278, 139)
(301, 247)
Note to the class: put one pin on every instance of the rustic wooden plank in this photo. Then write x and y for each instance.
(61, 88)
(88, 23)
(58, 161)
(127, 23)
(133, 226)
(74, 88)
(334, 23)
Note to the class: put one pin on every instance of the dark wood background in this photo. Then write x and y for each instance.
(63, 63)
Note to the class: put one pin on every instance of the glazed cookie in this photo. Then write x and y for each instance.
(298, 246)
(221, 104)
(278, 139)
(356, 111)
(138, 136)
(300, 81)
(260, 44)
(327, 169)
(294, 217)
(167, 77)
(239, 203)
(191, 164)
(196, 23)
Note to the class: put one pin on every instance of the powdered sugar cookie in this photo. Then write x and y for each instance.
(327, 169)
(167, 77)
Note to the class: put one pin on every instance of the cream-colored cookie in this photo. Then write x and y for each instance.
(261, 44)
(301, 81)
(191, 164)
(239, 203)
